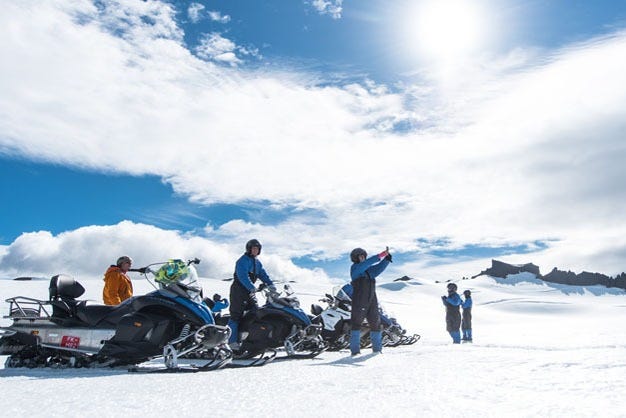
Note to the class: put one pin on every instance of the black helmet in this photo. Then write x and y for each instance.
(253, 243)
(467, 293)
(452, 287)
(356, 253)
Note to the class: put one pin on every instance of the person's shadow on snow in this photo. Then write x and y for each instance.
(352, 360)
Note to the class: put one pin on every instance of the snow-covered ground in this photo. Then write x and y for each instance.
(539, 350)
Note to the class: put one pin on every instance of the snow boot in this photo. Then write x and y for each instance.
(234, 331)
(355, 342)
(456, 337)
(469, 335)
(377, 342)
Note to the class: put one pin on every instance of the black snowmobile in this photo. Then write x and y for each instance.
(170, 322)
(279, 325)
(335, 322)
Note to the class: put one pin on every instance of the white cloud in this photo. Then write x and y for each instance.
(194, 12)
(217, 16)
(512, 157)
(85, 253)
(217, 48)
(332, 8)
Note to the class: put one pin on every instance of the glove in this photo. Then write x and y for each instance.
(384, 253)
(388, 258)
(443, 298)
(272, 288)
(253, 302)
(141, 270)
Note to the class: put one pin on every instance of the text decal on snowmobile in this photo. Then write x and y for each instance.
(70, 341)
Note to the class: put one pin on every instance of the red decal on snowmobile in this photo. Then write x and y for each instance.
(70, 342)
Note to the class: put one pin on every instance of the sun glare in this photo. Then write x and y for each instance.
(447, 30)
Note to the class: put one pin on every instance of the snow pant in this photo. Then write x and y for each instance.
(364, 306)
(240, 302)
(453, 322)
(466, 324)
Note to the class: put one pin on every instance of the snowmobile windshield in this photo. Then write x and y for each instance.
(189, 282)
(340, 293)
(180, 278)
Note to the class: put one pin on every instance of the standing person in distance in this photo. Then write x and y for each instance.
(466, 322)
(243, 292)
(452, 302)
(363, 273)
(117, 284)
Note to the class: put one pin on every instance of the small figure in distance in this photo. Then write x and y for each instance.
(466, 323)
(452, 302)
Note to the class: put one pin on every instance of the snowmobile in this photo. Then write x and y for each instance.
(279, 325)
(393, 334)
(169, 322)
(335, 321)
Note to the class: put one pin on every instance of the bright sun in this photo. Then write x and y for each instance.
(447, 30)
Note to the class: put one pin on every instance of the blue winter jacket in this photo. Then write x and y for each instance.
(373, 266)
(246, 265)
(467, 304)
(454, 300)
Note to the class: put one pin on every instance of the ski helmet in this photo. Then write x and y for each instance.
(253, 243)
(356, 253)
(171, 272)
(452, 287)
(467, 293)
(124, 259)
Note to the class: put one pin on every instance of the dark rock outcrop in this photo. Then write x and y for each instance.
(585, 278)
(501, 269)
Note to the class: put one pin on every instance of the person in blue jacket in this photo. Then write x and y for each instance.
(242, 292)
(452, 302)
(466, 323)
(363, 273)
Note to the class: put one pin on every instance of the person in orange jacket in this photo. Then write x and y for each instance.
(117, 284)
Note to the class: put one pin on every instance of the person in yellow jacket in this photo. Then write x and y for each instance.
(117, 285)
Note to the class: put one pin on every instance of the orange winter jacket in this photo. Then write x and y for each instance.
(117, 286)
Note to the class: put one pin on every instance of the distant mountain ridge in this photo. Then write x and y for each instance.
(502, 269)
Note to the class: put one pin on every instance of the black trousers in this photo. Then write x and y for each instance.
(240, 301)
(466, 323)
(453, 318)
(364, 304)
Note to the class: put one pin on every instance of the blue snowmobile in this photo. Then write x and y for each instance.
(280, 325)
(169, 322)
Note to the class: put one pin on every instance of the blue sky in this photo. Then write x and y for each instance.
(452, 131)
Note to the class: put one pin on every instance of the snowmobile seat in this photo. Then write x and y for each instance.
(63, 292)
(316, 309)
(101, 316)
(64, 287)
